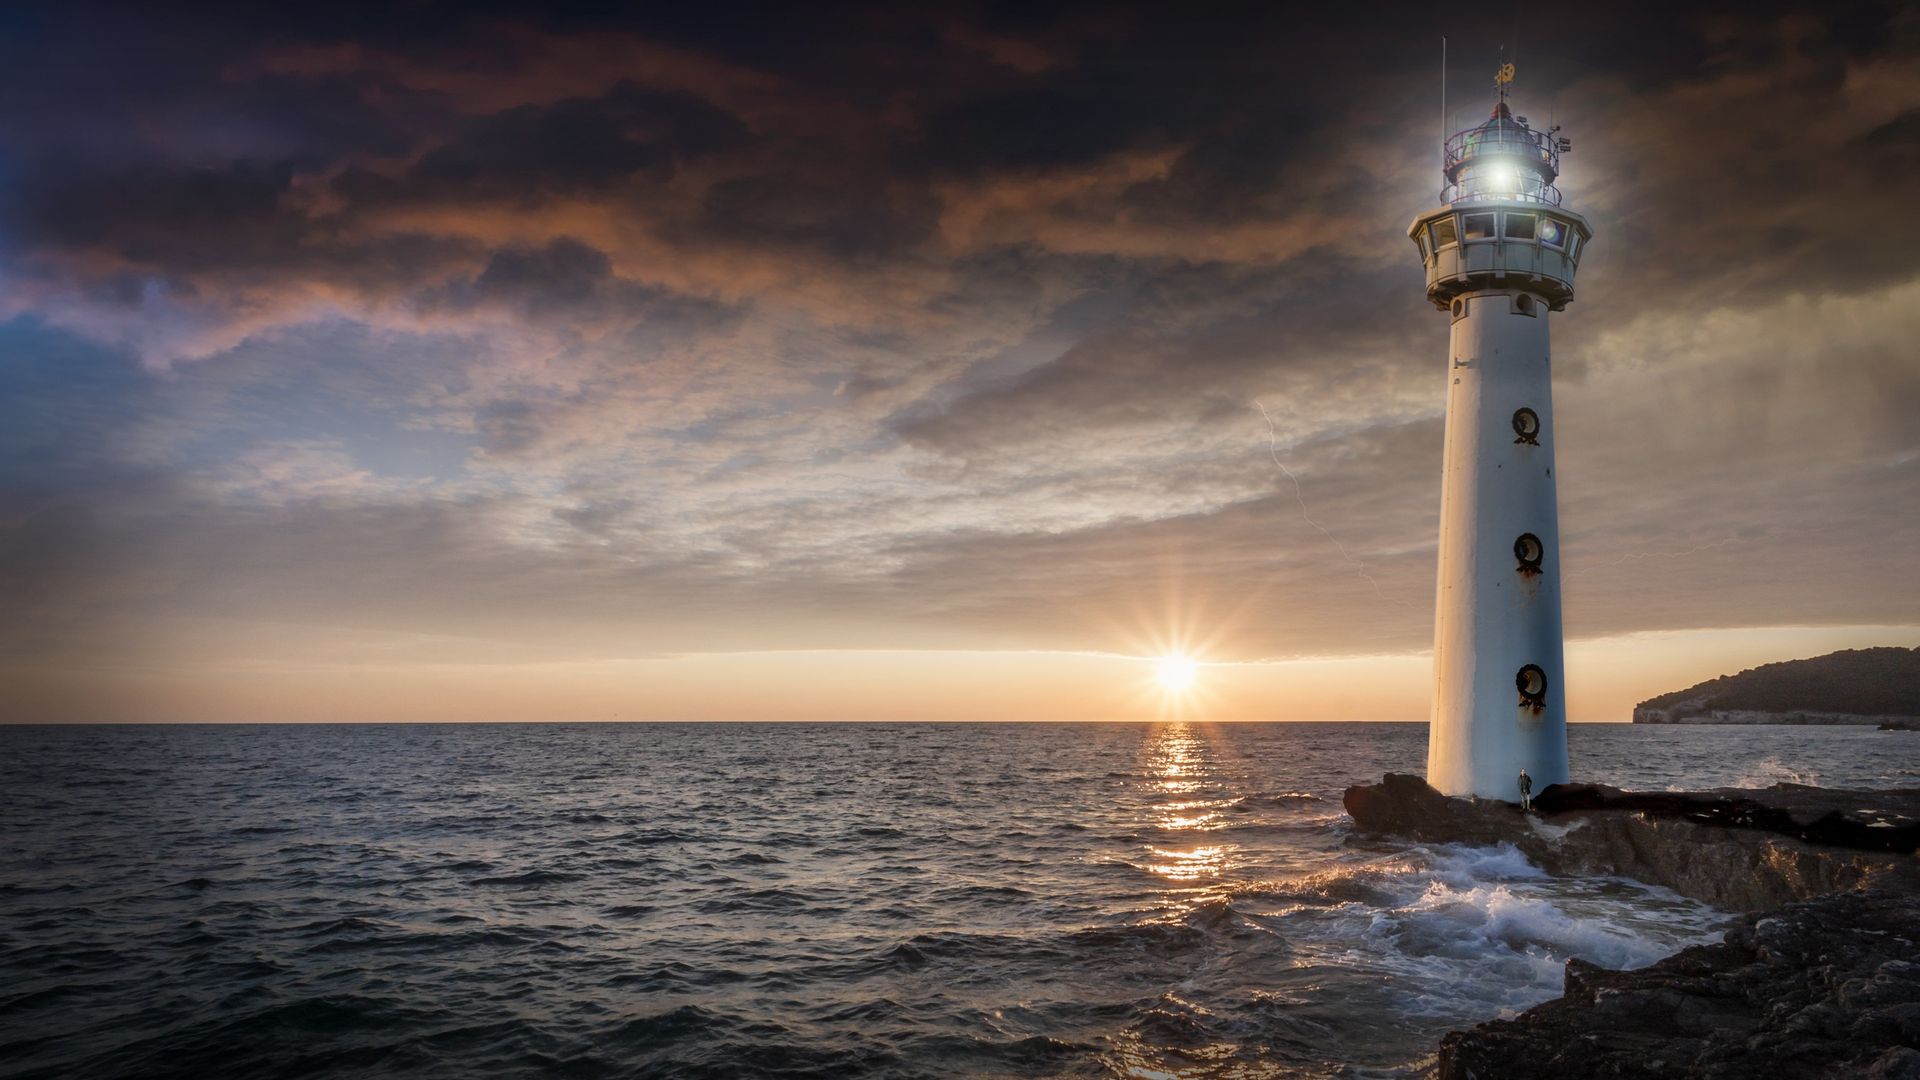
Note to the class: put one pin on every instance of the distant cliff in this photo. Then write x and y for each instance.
(1853, 686)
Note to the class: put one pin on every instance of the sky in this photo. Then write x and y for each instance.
(914, 361)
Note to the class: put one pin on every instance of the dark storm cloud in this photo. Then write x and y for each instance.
(958, 318)
(1255, 113)
(182, 219)
(846, 216)
(563, 274)
(579, 144)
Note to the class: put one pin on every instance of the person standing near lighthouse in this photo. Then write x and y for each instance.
(1500, 253)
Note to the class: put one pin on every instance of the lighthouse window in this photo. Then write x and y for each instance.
(1477, 226)
(1553, 233)
(1443, 233)
(1529, 551)
(1523, 305)
(1573, 244)
(1526, 427)
(1519, 226)
(1532, 684)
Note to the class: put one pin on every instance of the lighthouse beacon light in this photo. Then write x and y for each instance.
(1500, 252)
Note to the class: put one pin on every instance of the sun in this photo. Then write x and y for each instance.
(1175, 672)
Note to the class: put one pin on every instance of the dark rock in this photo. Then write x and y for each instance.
(1842, 1002)
(1899, 1063)
(1740, 850)
(1408, 806)
(1899, 1023)
(1822, 816)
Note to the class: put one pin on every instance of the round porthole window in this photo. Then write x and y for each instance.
(1526, 427)
(1529, 551)
(1532, 683)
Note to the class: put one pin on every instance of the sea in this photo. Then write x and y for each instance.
(1152, 900)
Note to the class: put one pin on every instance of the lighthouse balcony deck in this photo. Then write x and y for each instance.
(1473, 246)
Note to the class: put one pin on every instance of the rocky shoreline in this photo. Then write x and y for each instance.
(1821, 988)
(1821, 979)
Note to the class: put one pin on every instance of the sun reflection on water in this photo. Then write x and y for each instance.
(1199, 814)
(1180, 767)
(1200, 862)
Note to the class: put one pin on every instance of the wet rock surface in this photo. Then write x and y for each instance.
(1828, 987)
(1821, 979)
(1736, 849)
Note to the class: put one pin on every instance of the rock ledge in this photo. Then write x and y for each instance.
(1736, 849)
(1821, 979)
(1826, 988)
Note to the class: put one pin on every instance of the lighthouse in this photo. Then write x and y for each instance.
(1500, 253)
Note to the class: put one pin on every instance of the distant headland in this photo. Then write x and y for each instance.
(1854, 686)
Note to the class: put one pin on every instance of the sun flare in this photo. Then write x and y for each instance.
(1175, 672)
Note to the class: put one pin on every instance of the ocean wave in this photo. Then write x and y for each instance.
(530, 877)
(673, 1025)
(1179, 936)
(1277, 798)
(989, 893)
(674, 977)
(921, 950)
(1462, 865)
(734, 1059)
(360, 936)
(302, 1035)
(470, 911)
(986, 1055)
(1772, 770)
(1365, 884)
(1506, 943)
(771, 899)
(647, 837)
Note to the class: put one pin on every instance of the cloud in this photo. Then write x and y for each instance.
(607, 338)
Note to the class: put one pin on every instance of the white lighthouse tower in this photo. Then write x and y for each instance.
(1500, 253)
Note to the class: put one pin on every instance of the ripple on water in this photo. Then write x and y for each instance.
(787, 900)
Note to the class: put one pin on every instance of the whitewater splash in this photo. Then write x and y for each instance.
(1451, 925)
(1774, 771)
